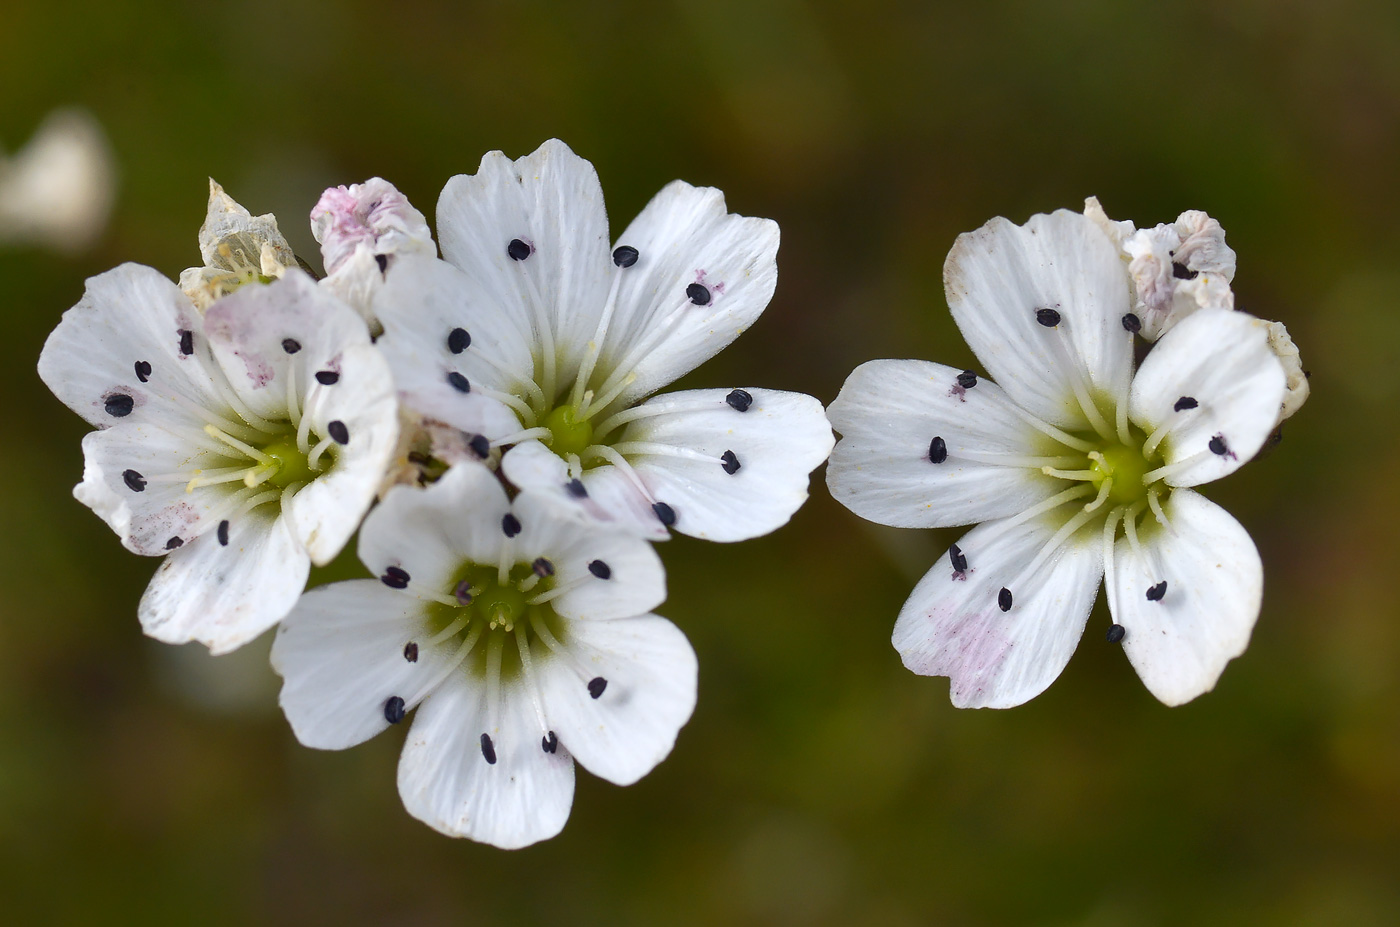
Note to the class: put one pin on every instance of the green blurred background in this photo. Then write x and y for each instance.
(819, 782)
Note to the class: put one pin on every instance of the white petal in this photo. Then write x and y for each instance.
(686, 236)
(650, 670)
(421, 303)
(998, 276)
(777, 442)
(534, 468)
(1117, 231)
(328, 510)
(262, 334)
(225, 595)
(1180, 644)
(446, 782)
(1223, 361)
(136, 478)
(1296, 383)
(618, 574)
(341, 652)
(430, 533)
(550, 200)
(953, 626)
(128, 318)
(888, 413)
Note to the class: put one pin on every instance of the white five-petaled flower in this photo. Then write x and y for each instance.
(536, 335)
(361, 229)
(522, 636)
(1077, 469)
(245, 443)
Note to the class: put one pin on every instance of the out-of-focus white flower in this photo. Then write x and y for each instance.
(57, 191)
(1078, 469)
(238, 248)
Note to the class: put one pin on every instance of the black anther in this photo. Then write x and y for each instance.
(1047, 317)
(1218, 446)
(338, 432)
(119, 405)
(518, 251)
(488, 749)
(1181, 272)
(664, 513)
(576, 488)
(937, 450)
(458, 340)
(1132, 323)
(600, 569)
(625, 256)
(549, 743)
(327, 377)
(699, 294)
(174, 543)
(739, 399)
(967, 379)
(291, 345)
(143, 371)
(458, 382)
(395, 577)
(186, 341)
(394, 710)
(1184, 403)
(1115, 633)
(596, 685)
(463, 593)
(223, 533)
(1004, 599)
(410, 651)
(1155, 593)
(958, 558)
(542, 567)
(383, 261)
(480, 446)
(510, 524)
(134, 481)
(729, 462)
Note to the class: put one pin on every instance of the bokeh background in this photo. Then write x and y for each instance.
(819, 782)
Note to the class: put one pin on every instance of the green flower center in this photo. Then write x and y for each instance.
(568, 435)
(504, 620)
(291, 463)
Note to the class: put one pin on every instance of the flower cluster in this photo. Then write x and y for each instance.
(487, 422)
(1078, 468)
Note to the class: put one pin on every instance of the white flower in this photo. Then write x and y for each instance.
(245, 443)
(522, 637)
(238, 248)
(543, 337)
(1077, 468)
(58, 189)
(361, 229)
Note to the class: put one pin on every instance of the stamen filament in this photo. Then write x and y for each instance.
(1081, 390)
(293, 410)
(313, 460)
(1013, 460)
(238, 445)
(1060, 498)
(1155, 503)
(528, 434)
(624, 372)
(653, 449)
(528, 669)
(617, 460)
(1071, 474)
(1046, 428)
(550, 595)
(1169, 470)
(590, 360)
(453, 627)
(546, 333)
(623, 416)
(243, 431)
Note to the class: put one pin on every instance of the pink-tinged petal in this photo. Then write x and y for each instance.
(265, 335)
(344, 652)
(1063, 266)
(224, 595)
(1187, 597)
(702, 276)
(1216, 387)
(520, 796)
(551, 202)
(954, 623)
(889, 413)
(372, 216)
(135, 477)
(649, 670)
